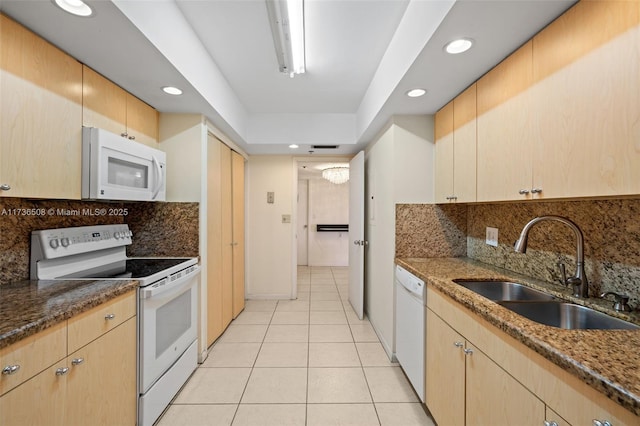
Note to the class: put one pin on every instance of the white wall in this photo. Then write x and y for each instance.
(399, 169)
(269, 241)
(328, 204)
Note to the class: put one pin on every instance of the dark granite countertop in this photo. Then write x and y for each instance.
(607, 360)
(27, 307)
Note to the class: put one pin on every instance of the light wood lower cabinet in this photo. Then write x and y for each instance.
(101, 383)
(465, 387)
(94, 385)
(506, 382)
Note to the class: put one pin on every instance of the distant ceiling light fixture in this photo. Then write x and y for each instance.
(287, 28)
(337, 175)
(416, 93)
(293, 146)
(172, 90)
(458, 46)
(75, 7)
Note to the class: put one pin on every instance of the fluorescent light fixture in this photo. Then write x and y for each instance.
(416, 93)
(293, 146)
(172, 90)
(75, 7)
(287, 28)
(458, 46)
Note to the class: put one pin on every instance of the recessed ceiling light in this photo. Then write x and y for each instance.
(293, 146)
(416, 93)
(458, 46)
(75, 7)
(172, 90)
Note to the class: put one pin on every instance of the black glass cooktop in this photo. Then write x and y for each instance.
(130, 268)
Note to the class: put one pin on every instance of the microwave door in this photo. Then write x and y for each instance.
(126, 176)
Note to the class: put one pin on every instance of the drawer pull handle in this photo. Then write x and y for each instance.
(62, 371)
(10, 369)
(550, 423)
(597, 422)
(77, 361)
(468, 351)
(523, 192)
(458, 344)
(109, 316)
(536, 190)
(5, 187)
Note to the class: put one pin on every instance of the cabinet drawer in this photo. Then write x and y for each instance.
(92, 324)
(32, 355)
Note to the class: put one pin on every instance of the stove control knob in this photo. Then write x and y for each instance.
(54, 243)
(116, 235)
(65, 242)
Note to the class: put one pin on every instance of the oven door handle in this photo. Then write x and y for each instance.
(175, 287)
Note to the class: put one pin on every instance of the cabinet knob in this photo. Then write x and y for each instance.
(10, 369)
(109, 316)
(62, 371)
(5, 187)
(458, 344)
(597, 422)
(124, 135)
(77, 361)
(523, 192)
(550, 423)
(536, 190)
(131, 138)
(468, 351)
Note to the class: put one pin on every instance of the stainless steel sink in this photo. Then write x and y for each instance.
(503, 290)
(567, 315)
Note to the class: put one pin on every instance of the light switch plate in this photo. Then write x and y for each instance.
(270, 197)
(492, 236)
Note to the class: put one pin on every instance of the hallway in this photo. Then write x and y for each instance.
(305, 362)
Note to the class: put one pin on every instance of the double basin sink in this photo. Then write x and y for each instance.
(544, 308)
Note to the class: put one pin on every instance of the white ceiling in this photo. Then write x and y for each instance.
(362, 56)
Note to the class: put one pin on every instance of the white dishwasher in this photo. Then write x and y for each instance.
(410, 327)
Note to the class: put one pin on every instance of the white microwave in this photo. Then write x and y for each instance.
(116, 168)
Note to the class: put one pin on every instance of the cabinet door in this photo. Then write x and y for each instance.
(142, 122)
(505, 136)
(39, 401)
(587, 101)
(237, 181)
(444, 154)
(215, 326)
(464, 145)
(101, 384)
(227, 234)
(104, 104)
(445, 367)
(495, 398)
(41, 110)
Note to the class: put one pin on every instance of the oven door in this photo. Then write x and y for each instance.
(167, 325)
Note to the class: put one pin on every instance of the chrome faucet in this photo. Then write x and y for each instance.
(579, 280)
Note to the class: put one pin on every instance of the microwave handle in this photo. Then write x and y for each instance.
(175, 287)
(157, 169)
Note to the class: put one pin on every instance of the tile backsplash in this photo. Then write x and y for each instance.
(160, 229)
(611, 230)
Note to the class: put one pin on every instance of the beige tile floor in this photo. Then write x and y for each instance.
(304, 362)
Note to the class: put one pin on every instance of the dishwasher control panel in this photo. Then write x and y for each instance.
(409, 281)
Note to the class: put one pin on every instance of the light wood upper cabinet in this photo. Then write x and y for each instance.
(464, 145)
(444, 154)
(586, 98)
(505, 138)
(41, 111)
(455, 134)
(108, 106)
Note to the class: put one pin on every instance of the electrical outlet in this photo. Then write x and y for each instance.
(286, 218)
(492, 236)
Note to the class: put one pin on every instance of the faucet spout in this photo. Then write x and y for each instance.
(579, 280)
